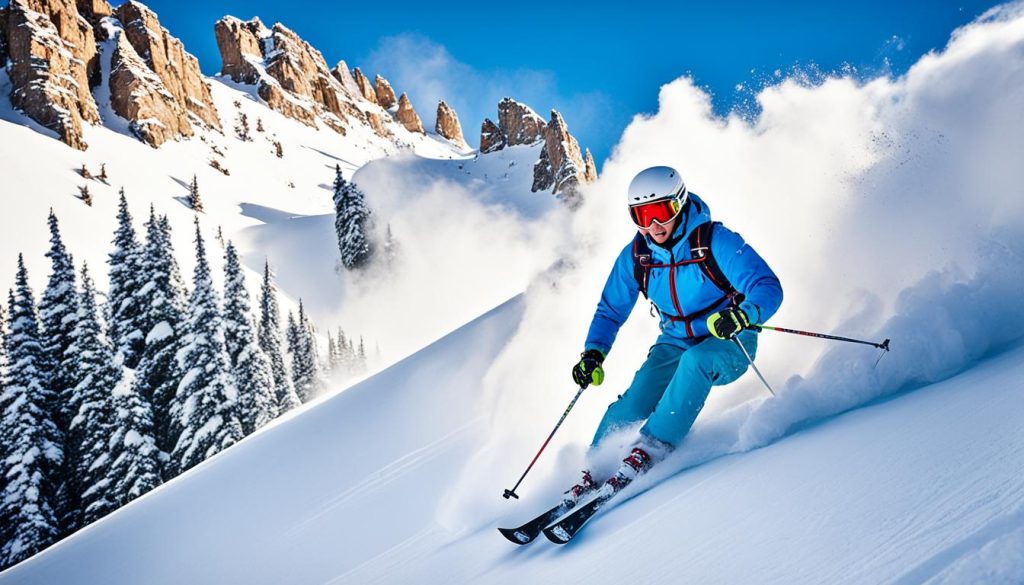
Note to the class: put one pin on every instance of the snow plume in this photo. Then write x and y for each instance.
(460, 252)
(888, 208)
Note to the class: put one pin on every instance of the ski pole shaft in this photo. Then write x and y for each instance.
(512, 492)
(751, 360)
(884, 345)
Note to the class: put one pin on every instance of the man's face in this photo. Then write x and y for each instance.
(660, 233)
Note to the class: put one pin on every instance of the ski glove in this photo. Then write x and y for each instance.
(589, 371)
(728, 323)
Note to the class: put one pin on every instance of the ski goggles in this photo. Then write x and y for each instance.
(662, 211)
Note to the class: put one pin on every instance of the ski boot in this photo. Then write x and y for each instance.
(636, 463)
(584, 487)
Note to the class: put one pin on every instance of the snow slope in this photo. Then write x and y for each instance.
(926, 485)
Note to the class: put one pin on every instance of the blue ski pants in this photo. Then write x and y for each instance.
(671, 386)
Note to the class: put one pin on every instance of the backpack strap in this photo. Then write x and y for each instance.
(700, 248)
(641, 262)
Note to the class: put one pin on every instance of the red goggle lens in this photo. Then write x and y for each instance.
(660, 211)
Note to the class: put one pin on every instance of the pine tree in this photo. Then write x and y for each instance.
(3, 354)
(390, 246)
(124, 306)
(157, 376)
(58, 312)
(270, 343)
(362, 356)
(134, 467)
(330, 352)
(194, 200)
(206, 405)
(351, 222)
(30, 444)
(87, 438)
(306, 373)
(251, 367)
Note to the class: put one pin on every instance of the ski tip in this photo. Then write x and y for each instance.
(557, 534)
(516, 536)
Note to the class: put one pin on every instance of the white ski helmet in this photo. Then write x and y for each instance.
(656, 183)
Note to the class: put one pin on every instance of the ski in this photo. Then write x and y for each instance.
(565, 529)
(526, 533)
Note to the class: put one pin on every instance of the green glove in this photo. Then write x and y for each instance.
(589, 371)
(728, 323)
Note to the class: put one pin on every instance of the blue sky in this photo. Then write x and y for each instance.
(599, 64)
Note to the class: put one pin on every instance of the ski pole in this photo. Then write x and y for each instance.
(512, 492)
(884, 345)
(751, 360)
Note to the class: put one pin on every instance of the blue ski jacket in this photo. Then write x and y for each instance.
(748, 273)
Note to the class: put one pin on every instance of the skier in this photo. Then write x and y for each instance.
(707, 285)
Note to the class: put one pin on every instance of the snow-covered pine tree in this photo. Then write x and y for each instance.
(194, 200)
(302, 345)
(351, 222)
(3, 354)
(332, 354)
(92, 403)
(157, 375)
(361, 356)
(135, 466)
(30, 444)
(253, 376)
(205, 407)
(58, 312)
(390, 246)
(124, 306)
(270, 343)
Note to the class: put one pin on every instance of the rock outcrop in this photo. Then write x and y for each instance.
(290, 75)
(491, 137)
(590, 170)
(343, 74)
(447, 124)
(408, 116)
(140, 95)
(166, 57)
(375, 122)
(53, 64)
(385, 94)
(365, 87)
(561, 167)
(517, 124)
(93, 11)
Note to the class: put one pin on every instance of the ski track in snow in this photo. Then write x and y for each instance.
(394, 471)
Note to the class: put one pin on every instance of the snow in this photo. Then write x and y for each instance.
(899, 491)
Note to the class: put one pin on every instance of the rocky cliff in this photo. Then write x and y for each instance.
(408, 116)
(562, 166)
(166, 57)
(447, 124)
(385, 94)
(140, 96)
(517, 124)
(53, 64)
(289, 74)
